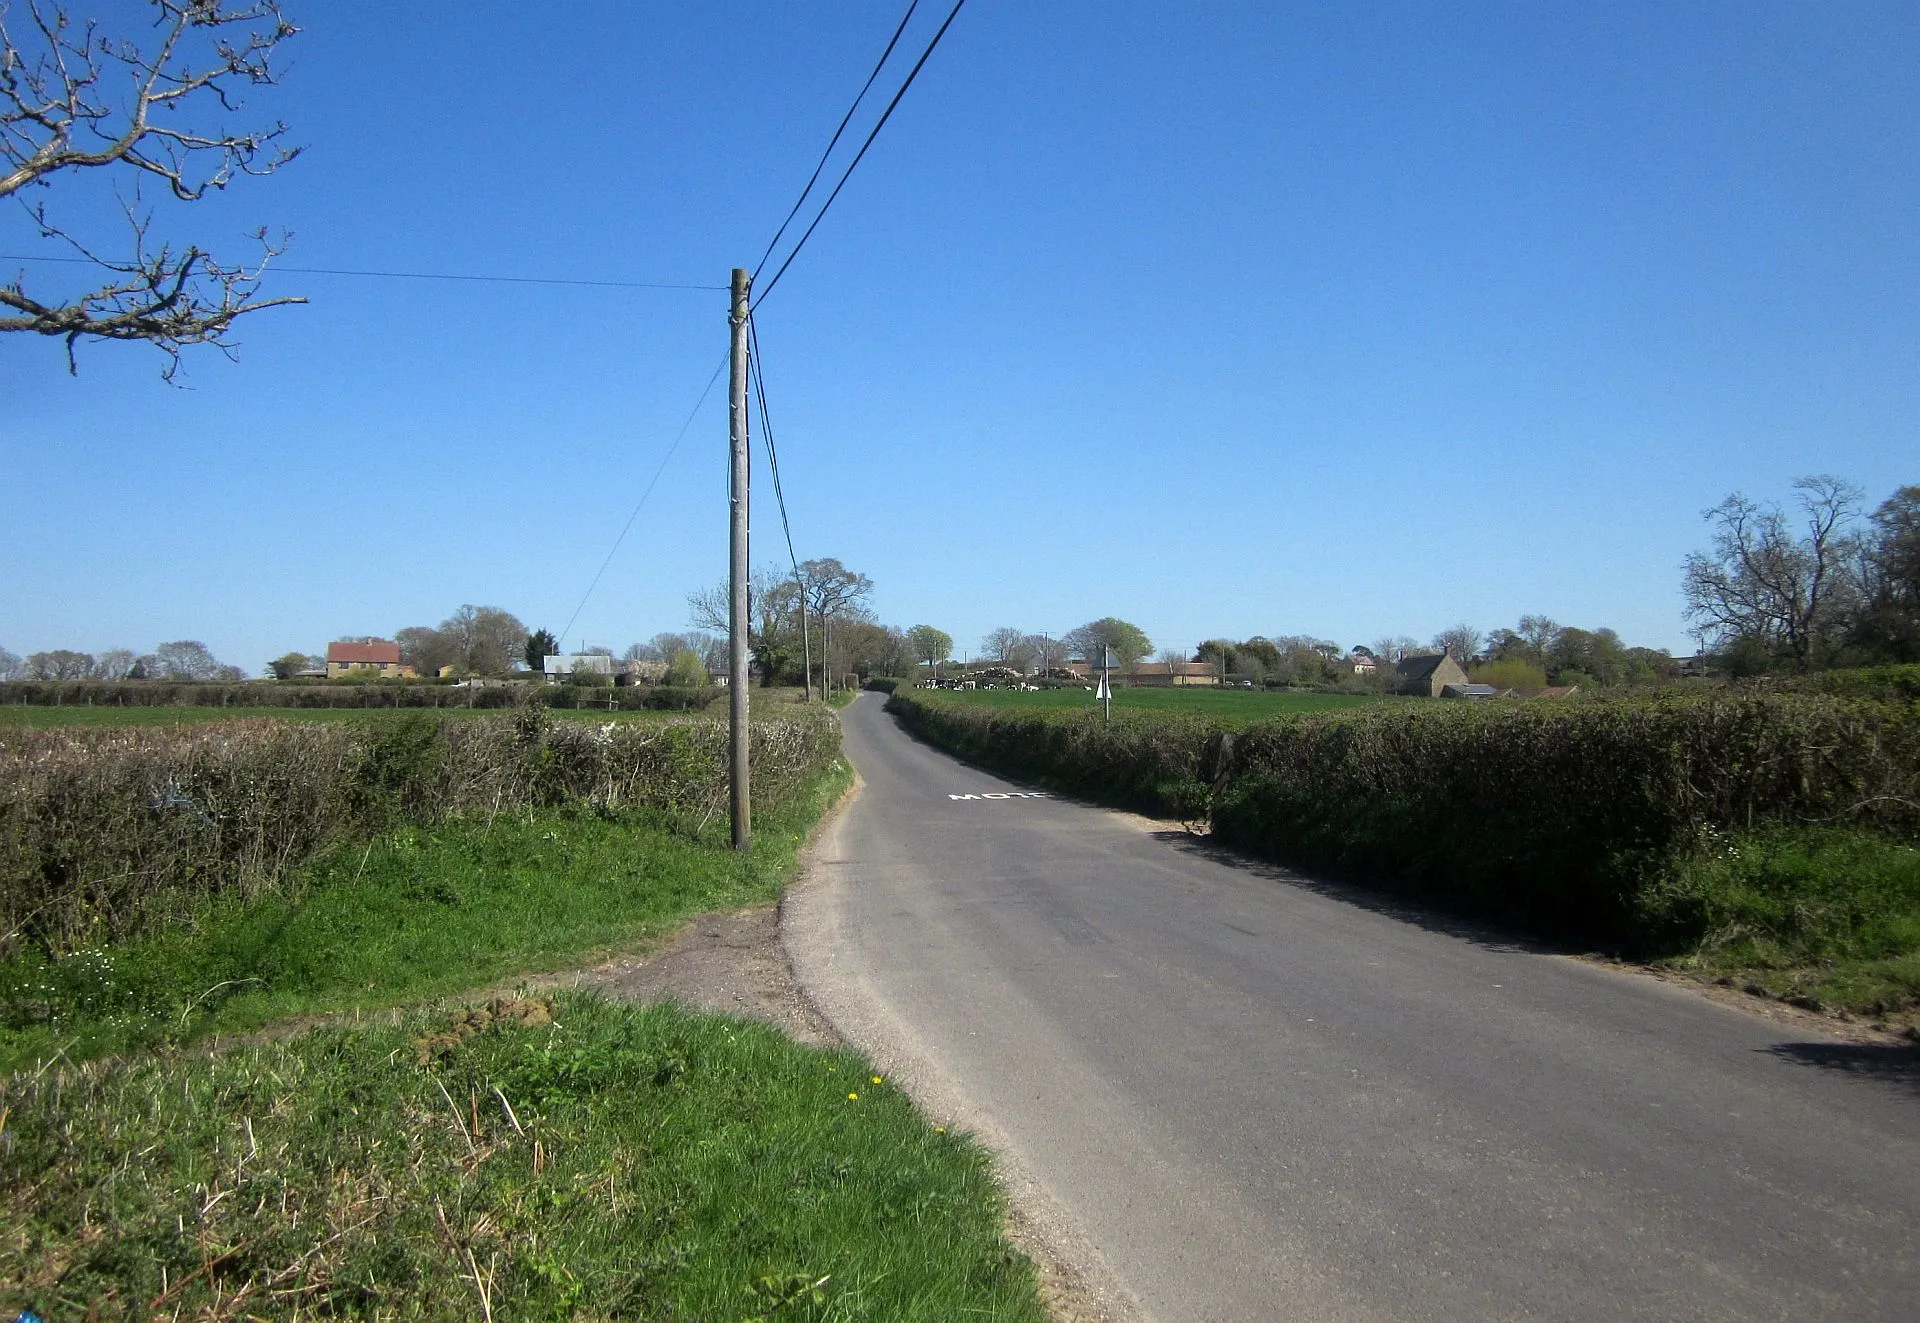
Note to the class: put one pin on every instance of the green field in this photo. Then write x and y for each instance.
(1236, 707)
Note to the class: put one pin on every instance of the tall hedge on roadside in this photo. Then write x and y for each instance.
(1554, 817)
(1153, 764)
(106, 831)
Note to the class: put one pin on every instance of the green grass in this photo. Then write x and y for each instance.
(1829, 917)
(1242, 707)
(18, 715)
(415, 913)
(614, 1164)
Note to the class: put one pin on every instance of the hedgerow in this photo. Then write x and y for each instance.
(106, 832)
(1559, 818)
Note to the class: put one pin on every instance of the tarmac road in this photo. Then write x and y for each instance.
(1234, 1095)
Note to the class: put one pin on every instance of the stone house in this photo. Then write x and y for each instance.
(1427, 675)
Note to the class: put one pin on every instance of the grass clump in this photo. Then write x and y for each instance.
(590, 1161)
(418, 911)
(1825, 917)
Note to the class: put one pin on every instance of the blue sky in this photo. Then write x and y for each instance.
(1226, 319)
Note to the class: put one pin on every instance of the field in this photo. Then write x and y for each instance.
(37, 718)
(1226, 707)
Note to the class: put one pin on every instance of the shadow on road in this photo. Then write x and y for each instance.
(1894, 1064)
(1487, 936)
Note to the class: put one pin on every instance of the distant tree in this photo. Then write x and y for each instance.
(1128, 641)
(686, 669)
(145, 667)
(228, 674)
(1767, 584)
(1462, 643)
(425, 649)
(1393, 649)
(930, 645)
(113, 664)
(10, 665)
(1047, 653)
(288, 665)
(1889, 620)
(186, 659)
(149, 108)
(541, 644)
(60, 664)
(1001, 643)
(486, 639)
(1172, 659)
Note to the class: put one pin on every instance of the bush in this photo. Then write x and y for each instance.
(105, 832)
(884, 684)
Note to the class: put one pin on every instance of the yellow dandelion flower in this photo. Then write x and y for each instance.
(876, 1079)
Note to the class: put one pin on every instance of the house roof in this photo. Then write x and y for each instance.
(1175, 668)
(1419, 668)
(381, 653)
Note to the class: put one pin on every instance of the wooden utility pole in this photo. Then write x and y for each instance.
(737, 621)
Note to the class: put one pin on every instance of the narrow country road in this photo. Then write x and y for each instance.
(1257, 1100)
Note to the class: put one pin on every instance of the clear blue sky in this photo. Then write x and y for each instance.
(1227, 319)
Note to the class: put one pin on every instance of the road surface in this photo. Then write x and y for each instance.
(1257, 1099)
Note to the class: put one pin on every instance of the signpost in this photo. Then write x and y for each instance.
(1104, 694)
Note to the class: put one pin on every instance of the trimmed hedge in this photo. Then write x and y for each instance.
(1558, 818)
(104, 832)
(348, 694)
(1151, 763)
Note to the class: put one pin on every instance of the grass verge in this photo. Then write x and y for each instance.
(416, 912)
(1825, 918)
(615, 1163)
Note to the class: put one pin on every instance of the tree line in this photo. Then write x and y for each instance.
(1823, 584)
(183, 659)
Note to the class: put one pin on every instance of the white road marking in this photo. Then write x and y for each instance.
(1004, 794)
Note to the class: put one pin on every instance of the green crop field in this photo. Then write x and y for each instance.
(1238, 707)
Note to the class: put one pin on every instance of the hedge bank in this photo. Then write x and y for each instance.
(1560, 818)
(105, 832)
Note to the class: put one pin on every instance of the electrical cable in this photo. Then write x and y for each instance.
(861, 154)
(766, 437)
(691, 415)
(835, 140)
(429, 275)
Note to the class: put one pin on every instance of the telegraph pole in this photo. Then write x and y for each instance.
(737, 633)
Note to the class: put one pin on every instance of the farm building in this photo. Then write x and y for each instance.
(1427, 675)
(381, 655)
(1159, 674)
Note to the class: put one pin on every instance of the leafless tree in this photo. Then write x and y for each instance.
(113, 664)
(186, 659)
(1001, 643)
(1461, 642)
(10, 665)
(74, 99)
(1763, 583)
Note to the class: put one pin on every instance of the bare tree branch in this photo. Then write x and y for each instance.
(72, 99)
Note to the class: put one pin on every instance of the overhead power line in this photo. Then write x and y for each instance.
(758, 369)
(834, 141)
(628, 526)
(432, 275)
(860, 155)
